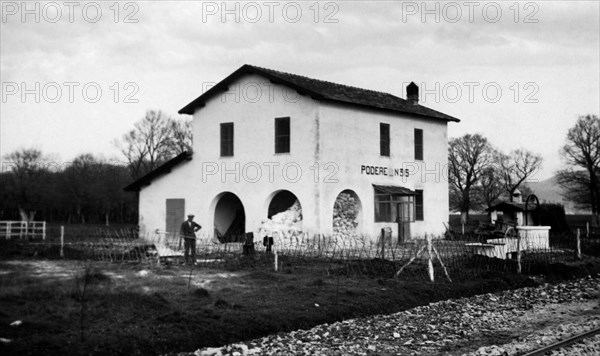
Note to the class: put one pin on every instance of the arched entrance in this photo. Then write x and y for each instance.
(229, 218)
(284, 213)
(347, 214)
(281, 201)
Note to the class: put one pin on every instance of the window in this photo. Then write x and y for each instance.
(419, 205)
(384, 139)
(386, 206)
(418, 144)
(282, 135)
(227, 139)
(383, 207)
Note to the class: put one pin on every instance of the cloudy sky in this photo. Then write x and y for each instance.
(519, 73)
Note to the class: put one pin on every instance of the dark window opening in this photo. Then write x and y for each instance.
(227, 139)
(418, 144)
(384, 139)
(419, 205)
(282, 135)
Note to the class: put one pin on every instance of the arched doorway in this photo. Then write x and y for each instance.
(347, 214)
(281, 201)
(284, 214)
(229, 218)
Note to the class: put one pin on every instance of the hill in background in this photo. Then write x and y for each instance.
(548, 191)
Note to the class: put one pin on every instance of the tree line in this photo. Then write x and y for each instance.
(33, 186)
(479, 174)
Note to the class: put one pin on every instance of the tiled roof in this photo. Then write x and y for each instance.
(323, 90)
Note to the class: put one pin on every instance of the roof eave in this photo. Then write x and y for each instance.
(200, 101)
(447, 118)
(191, 108)
(165, 168)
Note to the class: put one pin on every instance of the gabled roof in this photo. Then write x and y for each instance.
(160, 170)
(322, 90)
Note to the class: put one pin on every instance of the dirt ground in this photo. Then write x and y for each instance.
(75, 308)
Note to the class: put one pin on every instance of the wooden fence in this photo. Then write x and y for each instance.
(20, 229)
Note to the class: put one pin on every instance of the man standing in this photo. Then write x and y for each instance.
(188, 232)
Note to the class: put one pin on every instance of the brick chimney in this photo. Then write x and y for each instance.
(412, 93)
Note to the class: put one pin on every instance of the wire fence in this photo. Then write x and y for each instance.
(355, 255)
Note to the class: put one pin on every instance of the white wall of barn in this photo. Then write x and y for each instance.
(339, 138)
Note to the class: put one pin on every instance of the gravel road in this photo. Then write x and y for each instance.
(506, 323)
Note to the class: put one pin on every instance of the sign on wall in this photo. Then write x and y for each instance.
(384, 171)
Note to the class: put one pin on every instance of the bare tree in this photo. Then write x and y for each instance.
(581, 152)
(517, 167)
(490, 186)
(181, 135)
(154, 139)
(468, 157)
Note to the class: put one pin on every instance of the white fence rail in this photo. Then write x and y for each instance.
(20, 229)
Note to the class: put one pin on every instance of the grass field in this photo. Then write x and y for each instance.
(77, 307)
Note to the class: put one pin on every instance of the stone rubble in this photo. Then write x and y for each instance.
(285, 224)
(446, 327)
(345, 216)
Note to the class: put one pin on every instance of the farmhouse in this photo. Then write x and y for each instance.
(275, 149)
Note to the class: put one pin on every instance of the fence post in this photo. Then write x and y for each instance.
(8, 232)
(578, 256)
(383, 244)
(429, 258)
(587, 227)
(518, 252)
(276, 262)
(62, 240)
(44, 230)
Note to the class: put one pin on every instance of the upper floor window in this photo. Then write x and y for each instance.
(419, 144)
(384, 139)
(227, 139)
(282, 135)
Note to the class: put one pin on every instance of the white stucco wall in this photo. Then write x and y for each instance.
(328, 144)
(350, 138)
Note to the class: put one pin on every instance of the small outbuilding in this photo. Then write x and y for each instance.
(518, 222)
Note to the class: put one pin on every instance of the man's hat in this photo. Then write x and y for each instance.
(190, 215)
